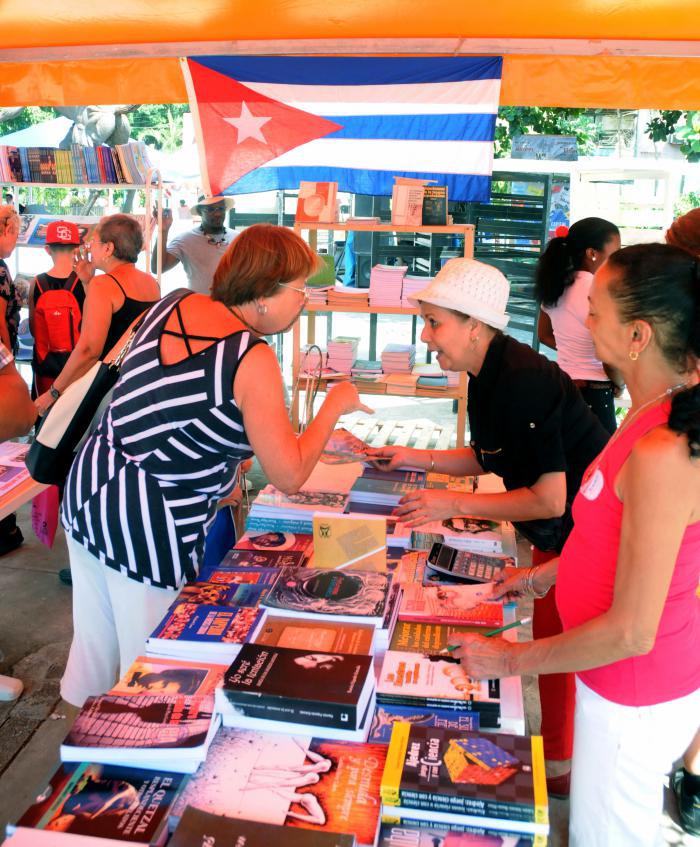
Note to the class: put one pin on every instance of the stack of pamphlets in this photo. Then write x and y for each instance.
(412, 285)
(385, 283)
(310, 360)
(398, 358)
(342, 352)
(452, 378)
(451, 777)
(346, 296)
(384, 492)
(328, 694)
(274, 511)
(318, 295)
(366, 369)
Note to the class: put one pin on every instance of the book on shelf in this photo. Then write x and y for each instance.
(157, 732)
(407, 205)
(464, 533)
(407, 832)
(303, 634)
(445, 776)
(349, 541)
(334, 595)
(456, 604)
(316, 202)
(434, 212)
(104, 801)
(299, 686)
(201, 829)
(385, 716)
(431, 681)
(290, 780)
(154, 675)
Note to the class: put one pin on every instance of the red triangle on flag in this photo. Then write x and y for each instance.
(242, 129)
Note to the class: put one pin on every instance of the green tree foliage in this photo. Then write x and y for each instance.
(159, 125)
(516, 120)
(683, 126)
(28, 116)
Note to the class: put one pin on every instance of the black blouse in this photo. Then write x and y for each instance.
(527, 418)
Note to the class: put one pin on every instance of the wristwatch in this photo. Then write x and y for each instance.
(54, 392)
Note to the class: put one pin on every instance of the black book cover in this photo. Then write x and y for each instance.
(435, 205)
(299, 686)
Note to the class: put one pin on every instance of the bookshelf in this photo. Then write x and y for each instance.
(311, 230)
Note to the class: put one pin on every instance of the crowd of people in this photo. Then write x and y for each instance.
(612, 512)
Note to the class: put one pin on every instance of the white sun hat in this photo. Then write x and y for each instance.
(469, 287)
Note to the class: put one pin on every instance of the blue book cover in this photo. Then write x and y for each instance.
(385, 716)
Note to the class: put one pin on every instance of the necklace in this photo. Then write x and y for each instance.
(627, 422)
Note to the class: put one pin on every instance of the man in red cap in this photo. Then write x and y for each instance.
(56, 306)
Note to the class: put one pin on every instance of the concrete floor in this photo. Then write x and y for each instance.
(35, 633)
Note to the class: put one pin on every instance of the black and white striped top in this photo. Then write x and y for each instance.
(143, 490)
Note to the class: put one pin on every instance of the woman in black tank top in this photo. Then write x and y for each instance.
(114, 299)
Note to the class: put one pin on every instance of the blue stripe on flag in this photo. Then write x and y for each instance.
(424, 127)
(459, 186)
(361, 70)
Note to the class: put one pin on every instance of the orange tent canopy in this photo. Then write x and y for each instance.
(593, 53)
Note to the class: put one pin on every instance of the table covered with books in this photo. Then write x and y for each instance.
(16, 486)
(308, 682)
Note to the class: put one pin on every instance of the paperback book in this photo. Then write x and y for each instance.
(104, 801)
(287, 542)
(259, 559)
(386, 716)
(463, 533)
(317, 202)
(446, 776)
(152, 675)
(405, 833)
(299, 686)
(152, 731)
(325, 636)
(349, 541)
(201, 829)
(456, 604)
(434, 681)
(344, 447)
(346, 595)
(290, 780)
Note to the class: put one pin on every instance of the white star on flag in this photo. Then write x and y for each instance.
(248, 125)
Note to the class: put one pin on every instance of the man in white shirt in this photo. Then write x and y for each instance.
(200, 249)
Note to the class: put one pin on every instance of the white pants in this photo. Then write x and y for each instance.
(621, 756)
(112, 617)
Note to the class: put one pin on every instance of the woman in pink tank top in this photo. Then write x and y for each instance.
(627, 577)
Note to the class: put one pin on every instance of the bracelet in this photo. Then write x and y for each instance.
(432, 463)
(529, 585)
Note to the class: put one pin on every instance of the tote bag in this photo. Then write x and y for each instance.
(67, 421)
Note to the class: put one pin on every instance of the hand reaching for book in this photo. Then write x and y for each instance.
(391, 458)
(485, 658)
(422, 506)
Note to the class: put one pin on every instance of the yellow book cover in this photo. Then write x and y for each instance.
(348, 541)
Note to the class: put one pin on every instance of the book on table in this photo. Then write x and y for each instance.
(351, 541)
(433, 681)
(299, 686)
(385, 716)
(446, 776)
(464, 533)
(157, 732)
(405, 832)
(276, 541)
(236, 559)
(201, 829)
(155, 675)
(326, 636)
(290, 780)
(103, 801)
(464, 604)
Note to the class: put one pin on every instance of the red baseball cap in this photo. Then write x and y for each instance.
(62, 232)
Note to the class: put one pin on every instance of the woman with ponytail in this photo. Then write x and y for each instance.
(562, 281)
(627, 576)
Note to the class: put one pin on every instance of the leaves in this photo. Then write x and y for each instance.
(672, 124)
(515, 120)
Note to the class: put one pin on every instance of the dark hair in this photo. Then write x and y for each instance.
(61, 248)
(564, 256)
(259, 259)
(660, 284)
(124, 232)
(188, 679)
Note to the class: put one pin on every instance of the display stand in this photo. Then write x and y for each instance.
(465, 230)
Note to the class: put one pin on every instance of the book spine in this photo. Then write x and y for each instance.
(461, 805)
(254, 524)
(489, 713)
(289, 710)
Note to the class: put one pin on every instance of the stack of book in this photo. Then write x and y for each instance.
(308, 691)
(346, 296)
(398, 358)
(310, 360)
(342, 352)
(123, 163)
(385, 283)
(318, 295)
(444, 776)
(452, 378)
(464, 533)
(375, 490)
(411, 285)
(366, 369)
(274, 511)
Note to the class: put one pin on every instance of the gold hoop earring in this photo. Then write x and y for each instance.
(634, 355)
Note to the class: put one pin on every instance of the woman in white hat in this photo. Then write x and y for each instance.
(530, 426)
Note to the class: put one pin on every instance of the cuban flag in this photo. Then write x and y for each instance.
(269, 122)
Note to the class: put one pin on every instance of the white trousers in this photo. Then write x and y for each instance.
(112, 617)
(621, 756)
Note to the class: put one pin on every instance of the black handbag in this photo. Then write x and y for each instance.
(66, 424)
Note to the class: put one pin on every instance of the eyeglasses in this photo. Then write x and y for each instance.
(303, 291)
